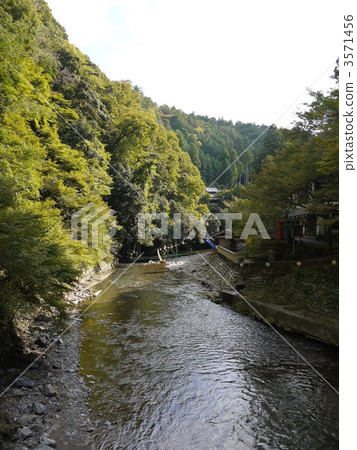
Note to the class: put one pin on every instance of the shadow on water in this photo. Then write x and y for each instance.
(172, 370)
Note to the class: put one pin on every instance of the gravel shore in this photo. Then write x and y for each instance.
(47, 405)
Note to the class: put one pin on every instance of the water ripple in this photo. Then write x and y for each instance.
(176, 371)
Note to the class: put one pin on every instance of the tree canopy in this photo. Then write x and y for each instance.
(214, 144)
(70, 137)
(300, 167)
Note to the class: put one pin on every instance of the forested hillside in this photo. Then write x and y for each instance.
(214, 144)
(70, 137)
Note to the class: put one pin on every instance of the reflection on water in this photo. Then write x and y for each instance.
(172, 370)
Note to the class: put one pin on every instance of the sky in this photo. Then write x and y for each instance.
(248, 61)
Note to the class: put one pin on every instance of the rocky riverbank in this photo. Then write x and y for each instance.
(44, 404)
(211, 271)
(304, 301)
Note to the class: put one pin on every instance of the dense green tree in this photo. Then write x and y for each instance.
(303, 172)
(211, 137)
(273, 142)
(69, 138)
(194, 155)
(322, 121)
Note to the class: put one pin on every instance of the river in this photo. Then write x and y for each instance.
(172, 370)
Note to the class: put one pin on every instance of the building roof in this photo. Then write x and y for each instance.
(299, 211)
(212, 189)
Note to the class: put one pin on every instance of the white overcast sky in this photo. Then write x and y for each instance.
(240, 60)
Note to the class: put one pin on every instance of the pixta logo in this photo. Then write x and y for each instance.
(157, 224)
(87, 225)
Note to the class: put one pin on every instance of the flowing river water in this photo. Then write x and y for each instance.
(170, 369)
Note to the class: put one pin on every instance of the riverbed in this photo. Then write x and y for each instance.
(170, 369)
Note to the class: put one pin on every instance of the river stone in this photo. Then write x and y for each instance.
(39, 408)
(24, 433)
(43, 318)
(35, 365)
(23, 408)
(45, 440)
(49, 390)
(27, 419)
(42, 341)
(38, 426)
(44, 447)
(24, 382)
(18, 393)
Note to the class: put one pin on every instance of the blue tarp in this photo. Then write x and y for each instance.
(210, 243)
